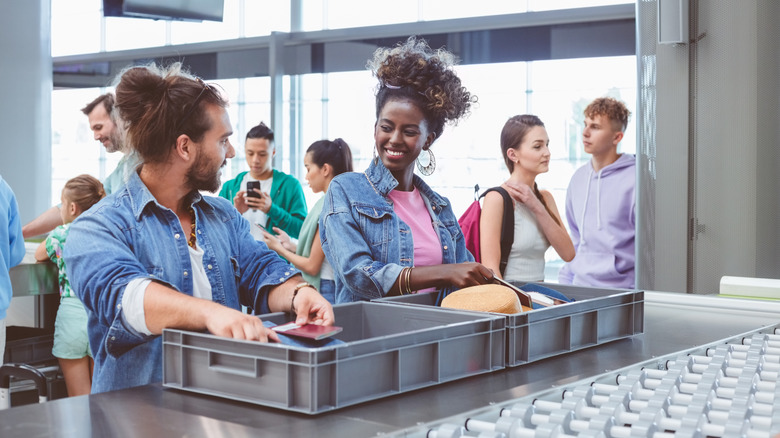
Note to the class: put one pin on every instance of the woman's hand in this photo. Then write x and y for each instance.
(285, 240)
(525, 194)
(272, 241)
(466, 274)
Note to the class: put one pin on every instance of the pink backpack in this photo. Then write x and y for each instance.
(469, 223)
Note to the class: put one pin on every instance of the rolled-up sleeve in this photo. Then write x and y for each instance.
(100, 265)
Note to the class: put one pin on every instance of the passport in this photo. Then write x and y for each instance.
(310, 331)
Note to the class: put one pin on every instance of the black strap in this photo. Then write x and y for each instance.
(507, 225)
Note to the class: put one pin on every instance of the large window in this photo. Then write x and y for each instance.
(79, 27)
(331, 105)
(339, 14)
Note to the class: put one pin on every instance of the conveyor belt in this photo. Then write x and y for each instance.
(675, 325)
(725, 389)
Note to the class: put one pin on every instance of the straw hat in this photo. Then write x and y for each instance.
(484, 298)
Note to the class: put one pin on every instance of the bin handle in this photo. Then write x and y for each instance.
(227, 369)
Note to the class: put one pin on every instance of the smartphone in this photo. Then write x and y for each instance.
(257, 224)
(250, 186)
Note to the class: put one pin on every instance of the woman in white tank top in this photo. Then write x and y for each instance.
(524, 146)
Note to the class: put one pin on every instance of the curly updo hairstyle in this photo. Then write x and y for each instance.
(157, 104)
(413, 71)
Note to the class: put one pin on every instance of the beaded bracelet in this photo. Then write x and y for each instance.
(295, 293)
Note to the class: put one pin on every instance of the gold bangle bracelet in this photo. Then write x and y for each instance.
(401, 279)
(408, 281)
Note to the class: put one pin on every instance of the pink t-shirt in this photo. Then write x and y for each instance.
(410, 207)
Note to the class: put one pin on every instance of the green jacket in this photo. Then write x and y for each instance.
(289, 205)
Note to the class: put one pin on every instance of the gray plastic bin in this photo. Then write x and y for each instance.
(388, 349)
(29, 345)
(597, 316)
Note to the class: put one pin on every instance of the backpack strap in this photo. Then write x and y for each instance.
(507, 225)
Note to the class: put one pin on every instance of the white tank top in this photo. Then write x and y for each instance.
(326, 270)
(526, 259)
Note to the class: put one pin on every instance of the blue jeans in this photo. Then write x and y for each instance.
(328, 290)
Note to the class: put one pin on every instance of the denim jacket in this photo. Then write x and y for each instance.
(129, 235)
(368, 244)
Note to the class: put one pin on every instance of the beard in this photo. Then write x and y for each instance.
(116, 142)
(202, 176)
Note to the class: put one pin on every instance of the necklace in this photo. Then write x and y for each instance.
(193, 237)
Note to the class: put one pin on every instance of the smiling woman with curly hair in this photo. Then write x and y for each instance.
(385, 231)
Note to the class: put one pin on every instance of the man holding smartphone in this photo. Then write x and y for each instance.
(263, 195)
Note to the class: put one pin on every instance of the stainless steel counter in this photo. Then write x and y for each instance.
(32, 279)
(673, 322)
(35, 293)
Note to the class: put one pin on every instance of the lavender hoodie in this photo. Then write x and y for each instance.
(600, 210)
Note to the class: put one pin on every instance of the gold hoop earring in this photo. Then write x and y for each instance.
(427, 169)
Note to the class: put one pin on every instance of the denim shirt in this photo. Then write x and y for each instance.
(129, 235)
(368, 244)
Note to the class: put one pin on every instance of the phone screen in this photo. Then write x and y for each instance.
(252, 185)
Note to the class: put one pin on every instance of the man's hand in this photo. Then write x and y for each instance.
(240, 202)
(264, 202)
(312, 308)
(243, 201)
(231, 323)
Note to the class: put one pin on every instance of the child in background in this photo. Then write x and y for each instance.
(71, 344)
(324, 160)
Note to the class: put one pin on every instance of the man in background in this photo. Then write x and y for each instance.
(279, 202)
(11, 251)
(103, 125)
(600, 203)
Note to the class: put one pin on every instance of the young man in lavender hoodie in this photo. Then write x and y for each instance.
(600, 203)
